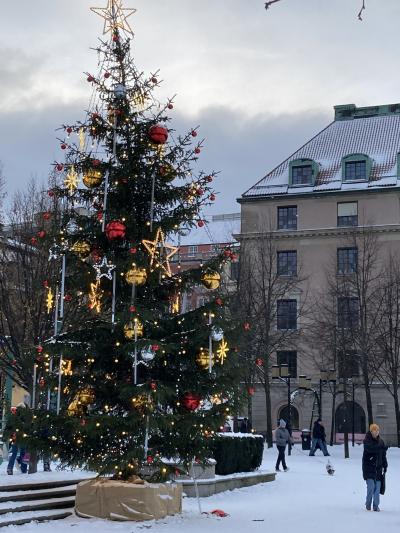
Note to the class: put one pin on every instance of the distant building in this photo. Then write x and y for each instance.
(346, 177)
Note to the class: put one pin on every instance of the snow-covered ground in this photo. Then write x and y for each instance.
(302, 500)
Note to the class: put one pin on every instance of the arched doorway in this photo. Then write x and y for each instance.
(294, 415)
(344, 420)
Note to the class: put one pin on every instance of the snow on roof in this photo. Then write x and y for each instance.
(375, 136)
(218, 229)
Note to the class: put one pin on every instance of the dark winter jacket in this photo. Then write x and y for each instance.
(282, 436)
(318, 431)
(374, 458)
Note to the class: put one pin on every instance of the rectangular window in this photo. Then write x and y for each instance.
(288, 358)
(287, 217)
(287, 314)
(348, 312)
(192, 251)
(355, 170)
(348, 364)
(287, 263)
(346, 260)
(347, 214)
(234, 270)
(302, 175)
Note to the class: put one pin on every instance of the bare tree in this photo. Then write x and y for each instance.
(264, 294)
(2, 194)
(387, 358)
(359, 15)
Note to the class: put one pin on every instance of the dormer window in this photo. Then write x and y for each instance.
(302, 172)
(356, 167)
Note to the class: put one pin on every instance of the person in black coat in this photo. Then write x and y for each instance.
(318, 438)
(374, 466)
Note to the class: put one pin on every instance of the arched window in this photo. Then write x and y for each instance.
(302, 172)
(356, 167)
(344, 418)
(294, 416)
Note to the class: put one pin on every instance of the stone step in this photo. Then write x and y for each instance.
(38, 494)
(40, 485)
(40, 516)
(37, 505)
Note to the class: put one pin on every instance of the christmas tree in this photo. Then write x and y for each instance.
(139, 379)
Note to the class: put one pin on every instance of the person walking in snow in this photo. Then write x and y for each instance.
(282, 438)
(374, 466)
(318, 438)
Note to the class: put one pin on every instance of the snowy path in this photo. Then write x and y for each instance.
(302, 500)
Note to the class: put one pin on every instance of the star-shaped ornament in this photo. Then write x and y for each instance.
(222, 351)
(114, 16)
(104, 269)
(160, 253)
(71, 180)
(54, 251)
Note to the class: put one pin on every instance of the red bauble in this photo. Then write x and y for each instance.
(200, 223)
(69, 131)
(95, 116)
(149, 459)
(33, 240)
(115, 230)
(13, 362)
(227, 253)
(194, 133)
(209, 179)
(251, 391)
(246, 326)
(90, 78)
(212, 197)
(63, 146)
(45, 283)
(96, 162)
(115, 38)
(13, 410)
(132, 309)
(46, 216)
(155, 347)
(158, 134)
(153, 385)
(42, 383)
(39, 359)
(83, 422)
(51, 193)
(170, 106)
(191, 401)
(218, 301)
(39, 349)
(199, 191)
(197, 150)
(259, 362)
(99, 215)
(41, 233)
(59, 167)
(67, 297)
(154, 79)
(132, 250)
(107, 74)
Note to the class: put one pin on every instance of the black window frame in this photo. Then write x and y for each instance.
(345, 221)
(286, 263)
(300, 176)
(286, 314)
(347, 260)
(353, 172)
(348, 312)
(287, 217)
(288, 357)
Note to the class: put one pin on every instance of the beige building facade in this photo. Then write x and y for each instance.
(345, 179)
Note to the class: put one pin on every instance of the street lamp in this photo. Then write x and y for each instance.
(355, 381)
(326, 376)
(282, 373)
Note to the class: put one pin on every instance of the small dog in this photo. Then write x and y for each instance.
(330, 469)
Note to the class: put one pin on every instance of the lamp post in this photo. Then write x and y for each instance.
(355, 381)
(281, 373)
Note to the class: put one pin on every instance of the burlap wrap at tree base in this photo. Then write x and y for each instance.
(122, 500)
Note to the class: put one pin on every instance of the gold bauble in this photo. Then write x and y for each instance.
(203, 359)
(92, 178)
(211, 279)
(167, 172)
(86, 396)
(129, 329)
(83, 398)
(137, 276)
(81, 248)
(140, 403)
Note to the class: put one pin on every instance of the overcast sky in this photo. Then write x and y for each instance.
(259, 83)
